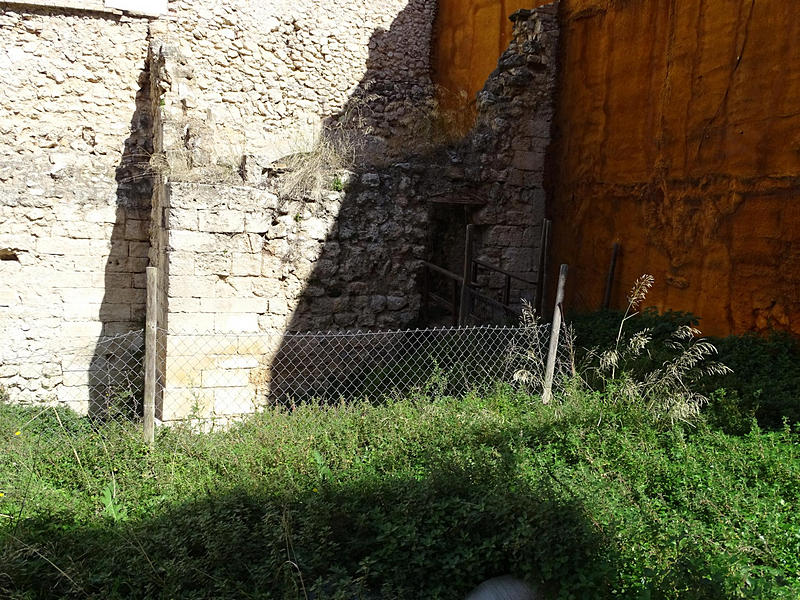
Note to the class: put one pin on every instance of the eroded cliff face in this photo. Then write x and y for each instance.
(678, 136)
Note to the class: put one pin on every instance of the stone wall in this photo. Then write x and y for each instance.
(266, 75)
(73, 202)
(495, 177)
(678, 138)
(243, 266)
(469, 38)
(92, 139)
(129, 151)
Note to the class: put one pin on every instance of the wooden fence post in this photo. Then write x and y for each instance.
(463, 305)
(610, 277)
(547, 392)
(150, 355)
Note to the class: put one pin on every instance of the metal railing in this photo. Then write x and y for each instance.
(464, 288)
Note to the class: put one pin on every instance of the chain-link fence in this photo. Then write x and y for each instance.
(96, 470)
(203, 375)
(102, 377)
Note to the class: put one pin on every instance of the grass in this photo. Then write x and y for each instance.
(764, 384)
(418, 498)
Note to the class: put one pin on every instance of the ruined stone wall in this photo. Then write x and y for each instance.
(469, 38)
(495, 177)
(83, 167)
(73, 204)
(515, 112)
(239, 257)
(678, 138)
(265, 75)
(244, 266)
(128, 150)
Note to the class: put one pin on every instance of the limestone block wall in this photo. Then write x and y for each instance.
(239, 266)
(127, 150)
(243, 266)
(91, 138)
(74, 205)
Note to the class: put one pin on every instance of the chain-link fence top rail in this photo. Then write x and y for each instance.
(208, 375)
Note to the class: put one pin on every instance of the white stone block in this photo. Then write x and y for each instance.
(222, 221)
(257, 222)
(81, 329)
(191, 286)
(189, 345)
(81, 311)
(238, 362)
(236, 323)
(225, 377)
(76, 378)
(72, 394)
(278, 306)
(180, 403)
(184, 305)
(248, 264)
(180, 263)
(191, 241)
(234, 401)
(234, 305)
(75, 296)
(190, 322)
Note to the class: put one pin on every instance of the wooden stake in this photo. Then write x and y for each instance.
(150, 355)
(547, 392)
(463, 308)
(610, 278)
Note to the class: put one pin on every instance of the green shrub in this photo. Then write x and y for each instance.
(764, 383)
(584, 498)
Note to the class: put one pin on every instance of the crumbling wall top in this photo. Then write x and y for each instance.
(143, 8)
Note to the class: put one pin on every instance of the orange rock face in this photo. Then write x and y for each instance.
(470, 35)
(678, 136)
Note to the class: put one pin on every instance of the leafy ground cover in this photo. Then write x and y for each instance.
(589, 497)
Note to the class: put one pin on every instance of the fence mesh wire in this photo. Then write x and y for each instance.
(213, 375)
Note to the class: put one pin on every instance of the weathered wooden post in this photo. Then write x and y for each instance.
(610, 277)
(150, 351)
(547, 392)
(542, 266)
(463, 307)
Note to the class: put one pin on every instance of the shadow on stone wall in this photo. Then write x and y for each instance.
(366, 274)
(403, 203)
(115, 372)
(395, 213)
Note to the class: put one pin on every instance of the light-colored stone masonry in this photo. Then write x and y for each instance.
(125, 140)
(75, 144)
(265, 74)
(74, 240)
